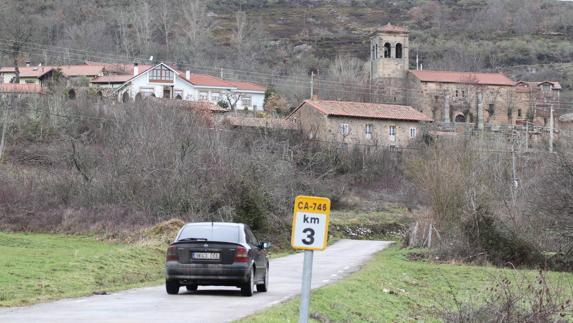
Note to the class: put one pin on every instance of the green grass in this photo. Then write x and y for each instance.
(40, 267)
(392, 288)
(379, 217)
(379, 225)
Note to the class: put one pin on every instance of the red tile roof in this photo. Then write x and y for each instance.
(126, 69)
(463, 77)
(389, 28)
(20, 88)
(248, 86)
(366, 110)
(112, 79)
(80, 70)
(207, 80)
(67, 70)
(210, 80)
(32, 71)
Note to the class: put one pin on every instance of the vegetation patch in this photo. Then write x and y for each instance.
(391, 288)
(380, 225)
(41, 267)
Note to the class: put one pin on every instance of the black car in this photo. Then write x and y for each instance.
(215, 253)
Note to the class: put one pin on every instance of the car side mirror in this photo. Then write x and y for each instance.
(264, 245)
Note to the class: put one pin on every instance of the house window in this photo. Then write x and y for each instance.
(368, 129)
(203, 96)
(344, 129)
(215, 97)
(463, 94)
(392, 130)
(457, 93)
(161, 74)
(413, 132)
(29, 81)
(519, 113)
(246, 101)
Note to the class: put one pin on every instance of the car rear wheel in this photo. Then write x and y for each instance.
(191, 288)
(172, 287)
(248, 287)
(264, 287)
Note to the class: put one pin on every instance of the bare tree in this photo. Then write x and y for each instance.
(232, 98)
(19, 31)
(247, 40)
(165, 19)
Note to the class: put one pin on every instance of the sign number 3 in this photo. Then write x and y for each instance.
(309, 239)
(310, 221)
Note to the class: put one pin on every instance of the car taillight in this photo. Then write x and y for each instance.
(241, 254)
(172, 254)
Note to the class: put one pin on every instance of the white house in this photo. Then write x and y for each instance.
(163, 81)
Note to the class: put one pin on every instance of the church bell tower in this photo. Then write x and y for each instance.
(389, 52)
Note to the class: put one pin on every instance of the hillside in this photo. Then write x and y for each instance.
(528, 39)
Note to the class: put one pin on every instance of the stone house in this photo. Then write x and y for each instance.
(359, 123)
(535, 99)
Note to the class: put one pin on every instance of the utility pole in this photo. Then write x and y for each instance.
(221, 73)
(318, 83)
(526, 135)
(551, 125)
(513, 172)
(311, 84)
(5, 125)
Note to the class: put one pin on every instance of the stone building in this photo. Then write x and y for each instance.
(463, 97)
(484, 99)
(535, 100)
(359, 123)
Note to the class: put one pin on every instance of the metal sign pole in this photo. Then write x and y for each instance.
(305, 292)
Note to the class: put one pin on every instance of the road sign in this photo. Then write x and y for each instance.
(310, 223)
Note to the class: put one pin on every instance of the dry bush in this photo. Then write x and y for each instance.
(111, 168)
(515, 300)
(468, 185)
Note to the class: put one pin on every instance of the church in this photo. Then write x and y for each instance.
(483, 99)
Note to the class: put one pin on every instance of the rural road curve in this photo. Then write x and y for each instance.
(208, 304)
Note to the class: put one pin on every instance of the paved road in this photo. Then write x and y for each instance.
(208, 304)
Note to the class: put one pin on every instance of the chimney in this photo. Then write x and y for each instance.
(135, 69)
(188, 75)
(27, 63)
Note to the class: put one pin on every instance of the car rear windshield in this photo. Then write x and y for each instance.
(223, 233)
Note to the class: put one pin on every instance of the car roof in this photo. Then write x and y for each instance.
(229, 224)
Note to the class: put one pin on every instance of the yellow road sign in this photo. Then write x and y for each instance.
(310, 223)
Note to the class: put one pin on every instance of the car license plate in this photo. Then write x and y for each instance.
(206, 255)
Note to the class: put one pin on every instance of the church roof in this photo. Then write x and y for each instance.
(389, 28)
(463, 77)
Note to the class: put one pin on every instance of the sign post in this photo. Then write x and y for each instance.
(309, 232)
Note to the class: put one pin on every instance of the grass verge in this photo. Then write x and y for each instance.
(391, 288)
(40, 267)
